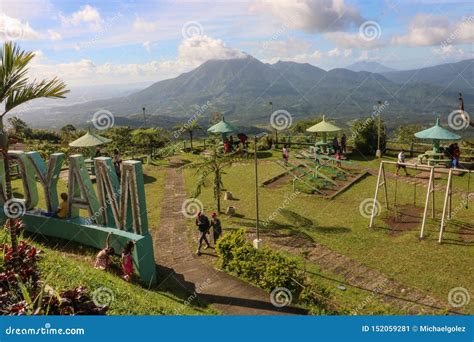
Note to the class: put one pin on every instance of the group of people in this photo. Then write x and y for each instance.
(241, 145)
(104, 261)
(339, 147)
(454, 152)
(204, 226)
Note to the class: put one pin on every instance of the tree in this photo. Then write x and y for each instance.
(364, 133)
(19, 127)
(149, 138)
(212, 166)
(405, 134)
(190, 128)
(302, 125)
(67, 132)
(16, 89)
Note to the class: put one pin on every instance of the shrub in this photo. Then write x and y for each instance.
(22, 292)
(266, 268)
(269, 269)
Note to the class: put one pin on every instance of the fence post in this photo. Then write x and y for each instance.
(411, 149)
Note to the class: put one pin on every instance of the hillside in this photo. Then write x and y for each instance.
(455, 77)
(242, 88)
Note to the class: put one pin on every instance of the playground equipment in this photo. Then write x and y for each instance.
(430, 193)
(322, 175)
(118, 209)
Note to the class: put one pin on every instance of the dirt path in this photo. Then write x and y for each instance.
(356, 274)
(174, 258)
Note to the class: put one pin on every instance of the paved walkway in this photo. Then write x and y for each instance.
(224, 292)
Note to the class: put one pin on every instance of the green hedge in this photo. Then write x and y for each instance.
(269, 269)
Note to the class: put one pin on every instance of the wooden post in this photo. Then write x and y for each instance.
(427, 201)
(432, 196)
(445, 206)
(372, 215)
(385, 186)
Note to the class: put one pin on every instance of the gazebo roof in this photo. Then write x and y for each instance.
(89, 140)
(437, 133)
(323, 126)
(222, 127)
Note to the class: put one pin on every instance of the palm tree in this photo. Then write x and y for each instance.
(16, 89)
(212, 166)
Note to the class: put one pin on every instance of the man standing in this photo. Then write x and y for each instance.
(401, 162)
(343, 143)
(202, 222)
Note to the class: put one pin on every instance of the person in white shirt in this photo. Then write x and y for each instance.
(400, 162)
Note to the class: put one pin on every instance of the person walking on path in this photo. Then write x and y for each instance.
(202, 222)
(286, 154)
(216, 227)
(401, 162)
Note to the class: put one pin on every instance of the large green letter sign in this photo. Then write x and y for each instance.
(119, 208)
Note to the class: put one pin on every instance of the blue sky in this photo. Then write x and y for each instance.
(105, 42)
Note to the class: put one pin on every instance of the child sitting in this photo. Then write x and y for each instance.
(63, 210)
(103, 260)
(127, 261)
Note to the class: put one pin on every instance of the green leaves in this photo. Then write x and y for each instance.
(15, 87)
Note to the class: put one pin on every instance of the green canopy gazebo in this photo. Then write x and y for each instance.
(90, 140)
(222, 127)
(323, 127)
(437, 134)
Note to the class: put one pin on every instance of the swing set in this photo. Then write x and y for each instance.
(430, 193)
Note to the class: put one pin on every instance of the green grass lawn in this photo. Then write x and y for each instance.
(339, 225)
(67, 269)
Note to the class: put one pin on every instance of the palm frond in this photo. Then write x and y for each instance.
(53, 88)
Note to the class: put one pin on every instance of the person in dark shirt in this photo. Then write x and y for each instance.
(202, 222)
(216, 227)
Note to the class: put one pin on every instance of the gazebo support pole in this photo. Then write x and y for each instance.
(427, 202)
(447, 199)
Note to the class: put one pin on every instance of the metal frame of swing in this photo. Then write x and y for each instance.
(382, 181)
(430, 191)
(447, 206)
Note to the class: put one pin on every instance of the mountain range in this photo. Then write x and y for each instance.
(242, 88)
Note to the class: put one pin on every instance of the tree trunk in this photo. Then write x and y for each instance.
(191, 140)
(217, 189)
(8, 185)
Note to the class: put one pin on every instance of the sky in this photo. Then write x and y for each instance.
(131, 41)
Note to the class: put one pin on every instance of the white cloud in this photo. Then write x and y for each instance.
(281, 49)
(198, 49)
(191, 53)
(347, 52)
(14, 29)
(26, 9)
(147, 46)
(311, 15)
(142, 25)
(87, 14)
(425, 30)
(53, 35)
(353, 40)
(334, 52)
